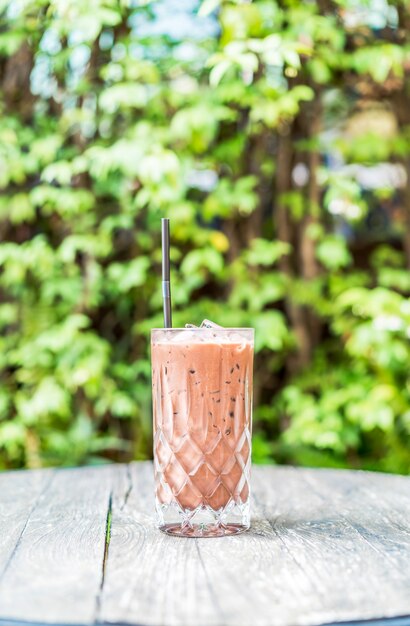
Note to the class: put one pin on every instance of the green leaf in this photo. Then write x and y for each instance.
(197, 261)
(122, 96)
(263, 252)
(126, 276)
(271, 331)
(218, 71)
(333, 253)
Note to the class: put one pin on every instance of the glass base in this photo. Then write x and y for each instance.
(203, 521)
(198, 530)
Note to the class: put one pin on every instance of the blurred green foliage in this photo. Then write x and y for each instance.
(109, 123)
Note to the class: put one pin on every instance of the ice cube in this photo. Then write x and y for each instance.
(209, 324)
(237, 338)
(184, 336)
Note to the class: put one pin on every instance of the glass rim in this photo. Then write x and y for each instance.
(218, 330)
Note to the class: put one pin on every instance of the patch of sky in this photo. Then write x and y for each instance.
(50, 42)
(42, 83)
(176, 19)
(14, 9)
(118, 52)
(374, 13)
(106, 39)
(77, 63)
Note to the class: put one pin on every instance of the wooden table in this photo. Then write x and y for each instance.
(79, 546)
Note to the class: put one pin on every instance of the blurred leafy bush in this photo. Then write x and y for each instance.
(115, 114)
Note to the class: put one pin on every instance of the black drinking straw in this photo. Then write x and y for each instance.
(166, 285)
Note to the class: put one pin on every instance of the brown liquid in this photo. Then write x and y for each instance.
(202, 421)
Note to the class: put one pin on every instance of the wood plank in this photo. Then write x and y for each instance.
(343, 539)
(19, 494)
(325, 546)
(150, 578)
(56, 571)
(389, 621)
(379, 518)
(233, 580)
(303, 562)
(260, 578)
(256, 578)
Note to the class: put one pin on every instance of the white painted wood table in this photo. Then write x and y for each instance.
(79, 546)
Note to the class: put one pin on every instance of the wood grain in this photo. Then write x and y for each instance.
(55, 573)
(337, 531)
(326, 546)
(19, 495)
(305, 561)
(150, 578)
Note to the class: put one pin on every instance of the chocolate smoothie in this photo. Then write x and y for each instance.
(202, 388)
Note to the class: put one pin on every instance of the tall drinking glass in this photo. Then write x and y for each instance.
(202, 405)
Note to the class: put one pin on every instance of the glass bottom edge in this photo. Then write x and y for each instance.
(199, 531)
(203, 521)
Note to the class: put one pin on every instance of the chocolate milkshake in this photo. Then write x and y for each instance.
(202, 403)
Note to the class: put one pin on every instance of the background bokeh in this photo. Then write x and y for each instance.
(276, 136)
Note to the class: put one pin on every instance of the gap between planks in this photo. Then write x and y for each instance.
(105, 555)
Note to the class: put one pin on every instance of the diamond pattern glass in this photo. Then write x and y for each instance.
(202, 405)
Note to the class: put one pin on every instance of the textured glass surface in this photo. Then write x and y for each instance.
(202, 401)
